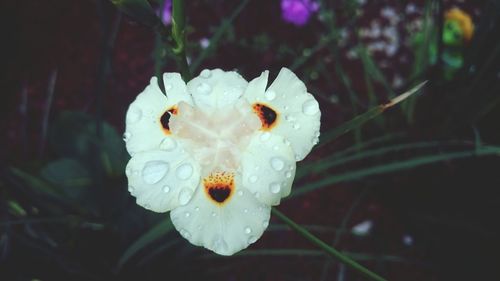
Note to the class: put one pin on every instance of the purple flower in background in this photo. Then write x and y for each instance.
(298, 12)
(166, 12)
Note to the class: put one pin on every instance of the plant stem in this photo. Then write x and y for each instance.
(329, 250)
(179, 36)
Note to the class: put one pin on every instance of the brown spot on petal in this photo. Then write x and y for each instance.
(165, 118)
(219, 187)
(267, 115)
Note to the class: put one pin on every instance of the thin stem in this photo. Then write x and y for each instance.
(179, 36)
(325, 247)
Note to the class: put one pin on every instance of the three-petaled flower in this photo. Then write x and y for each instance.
(219, 151)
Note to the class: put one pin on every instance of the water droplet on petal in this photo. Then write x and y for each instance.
(265, 136)
(168, 87)
(276, 148)
(275, 187)
(185, 233)
(134, 114)
(265, 224)
(296, 126)
(166, 189)
(205, 73)
(204, 89)
(197, 209)
(245, 211)
(288, 174)
(214, 214)
(240, 193)
(187, 214)
(219, 245)
(154, 171)
(185, 195)
(270, 95)
(252, 239)
(126, 136)
(168, 144)
(277, 163)
(253, 179)
(184, 171)
(248, 230)
(310, 107)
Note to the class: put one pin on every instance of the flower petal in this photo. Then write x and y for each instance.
(268, 167)
(162, 180)
(216, 89)
(147, 117)
(225, 228)
(287, 109)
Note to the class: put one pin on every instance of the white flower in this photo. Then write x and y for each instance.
(219, 151)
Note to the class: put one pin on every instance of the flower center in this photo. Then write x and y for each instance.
(215, 139)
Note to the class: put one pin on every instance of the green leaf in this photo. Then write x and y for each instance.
(359, 120)
(393, 167)
(139, 10)
(153, 234)
(69, 175)
(74, 135)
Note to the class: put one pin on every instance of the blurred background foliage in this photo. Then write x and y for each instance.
(411, 195)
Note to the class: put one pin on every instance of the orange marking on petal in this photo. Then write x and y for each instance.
(267, 115)
(219, 187)
(165, 118)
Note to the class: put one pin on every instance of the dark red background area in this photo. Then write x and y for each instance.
(40, 37)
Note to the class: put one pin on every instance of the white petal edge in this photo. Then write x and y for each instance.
(298, 111)
(143, 129)
(225, 229)
(268, 167)
(216, 89)
(162, 180)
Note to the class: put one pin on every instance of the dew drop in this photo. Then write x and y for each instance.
(276, 148)
(252, 239)
(203, 88)
(240, 193)
(270, 95)
(219, 245)
(245, 211)
(126, 136)
(197, 209)
(265, 223)
(265, 136)
(205, 73)
(168, 87)
(185, 195)
(275, 187)
(214, 214)
(187, 214)
(134, 115)
(166, 189)
(277, 163)
(248, 230)
(310, 107)
(296, 126)
(168, 144)
(185, 233)
(154, 171)
(288, 174)
(184, 171)
(253, 179)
